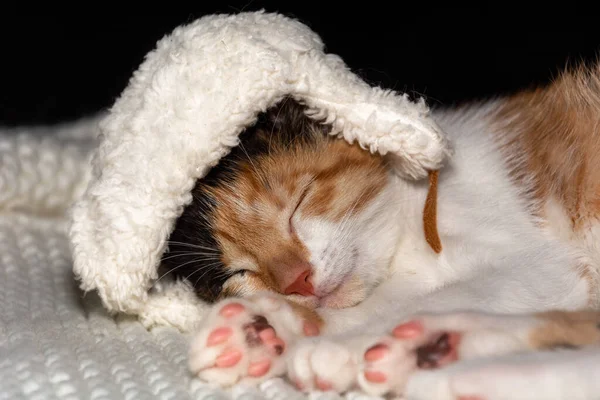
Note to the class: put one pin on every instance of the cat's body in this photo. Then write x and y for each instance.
(503, 247)
(339, 236)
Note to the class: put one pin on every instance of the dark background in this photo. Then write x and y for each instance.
(59, 67)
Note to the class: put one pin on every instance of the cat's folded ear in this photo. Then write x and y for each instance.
(287, 115)
(286, 122)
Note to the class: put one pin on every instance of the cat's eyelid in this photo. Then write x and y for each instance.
(241, 266)
(239, 273)
(300, 200)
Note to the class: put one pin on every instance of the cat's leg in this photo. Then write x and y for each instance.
(385, 363)
(548, 375)
(246, 340)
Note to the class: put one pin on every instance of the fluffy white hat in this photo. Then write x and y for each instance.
(182, 111)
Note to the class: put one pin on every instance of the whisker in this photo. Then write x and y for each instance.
(191, 251)
(209, 256)
(221, 274)
(171, 270)
(204, 268)
(192, 245)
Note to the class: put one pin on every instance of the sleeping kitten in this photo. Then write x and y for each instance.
(297, 233)
(291, 210)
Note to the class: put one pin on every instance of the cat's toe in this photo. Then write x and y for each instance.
(432, 348)
(320, 364)
(237, 343)
(386, 366)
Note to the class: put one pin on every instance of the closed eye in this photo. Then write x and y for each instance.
(238, 272)
(300, 200)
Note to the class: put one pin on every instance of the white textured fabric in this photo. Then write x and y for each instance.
(55, 341)
(183, 110)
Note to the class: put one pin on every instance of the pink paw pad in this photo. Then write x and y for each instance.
(267, 334)
(259, 368)
(260, 332)
(228, 359)
(276, 346)
(231, 310)
(408, 330)
(218, 336)
(299, 384)
(376, 352)
(375, 376)
(439, 352)
(323, 385)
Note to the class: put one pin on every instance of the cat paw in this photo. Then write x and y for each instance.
(376, 365)
(244, 340)
(322, 364)
(387, 365)
(432, 342)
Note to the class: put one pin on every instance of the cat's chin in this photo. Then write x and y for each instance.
(349, 293)
(335, 301)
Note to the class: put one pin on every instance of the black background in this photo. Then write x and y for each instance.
(62, 66)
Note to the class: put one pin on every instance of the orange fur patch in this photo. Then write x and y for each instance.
(307, 313)
(551, 140)
(564, 328)
(555, 129)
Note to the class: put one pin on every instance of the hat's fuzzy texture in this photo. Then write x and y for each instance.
(182, 111)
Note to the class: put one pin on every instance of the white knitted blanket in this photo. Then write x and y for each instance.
(56, 342)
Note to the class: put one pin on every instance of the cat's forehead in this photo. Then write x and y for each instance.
(331, 178)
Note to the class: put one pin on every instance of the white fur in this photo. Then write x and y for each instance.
(540, 375)
(359, 248)
(182, 112)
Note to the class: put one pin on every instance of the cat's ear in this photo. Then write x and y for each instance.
(280, 124)
(286, 123)
(287, 115)
(290, 118)
(282, 120)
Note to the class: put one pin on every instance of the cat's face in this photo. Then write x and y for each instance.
(292, 210)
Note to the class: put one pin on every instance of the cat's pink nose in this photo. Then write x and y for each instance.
(302, 285)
